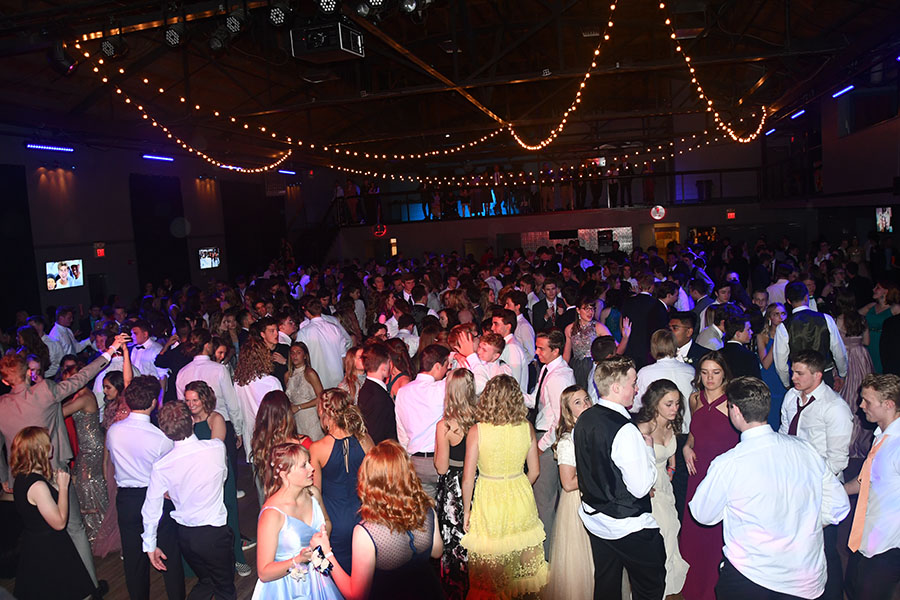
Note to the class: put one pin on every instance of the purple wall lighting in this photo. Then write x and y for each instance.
(158, 157)
(49, 148)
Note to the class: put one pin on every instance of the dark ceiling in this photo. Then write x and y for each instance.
(516, 61)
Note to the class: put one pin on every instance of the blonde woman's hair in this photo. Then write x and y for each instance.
(566, 418)
(282, 459)
(30, 453)
(501, 402)
(338, 406)
(459, 399)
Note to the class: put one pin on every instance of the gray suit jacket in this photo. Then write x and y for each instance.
(39, 405)
(710, 338)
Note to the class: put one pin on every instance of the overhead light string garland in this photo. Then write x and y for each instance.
(701, 94)
(575, 102)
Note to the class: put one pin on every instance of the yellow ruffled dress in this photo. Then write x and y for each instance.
(505, 537)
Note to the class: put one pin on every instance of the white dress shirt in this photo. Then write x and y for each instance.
(418, 408)
(684, 303)
(485, 371)
(559, 377)
(193, 475)
(134, 445)
(677, 372)
(143, 356)
(776, 291)
(682, 354)
(249, 396)
(826, 423)
(392, 327)
(532, 300)
(410, 339)
(525, 335)
(782, 348)
(284, 338)
(63, 336)
(882, 527)
(516, 359)
(635, 459)
(774, 494)
(56, 354)
(327, 347)
(216, 376)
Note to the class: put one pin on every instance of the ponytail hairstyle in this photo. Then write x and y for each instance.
(338, 406)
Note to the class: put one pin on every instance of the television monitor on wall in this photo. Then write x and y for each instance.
(209, 258)
(64, 274)
(883, 220)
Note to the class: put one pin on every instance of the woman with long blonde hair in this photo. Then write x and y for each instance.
(274, 426)
(42, 501)
(336, 459)
(354, 372)
(449, 458)
(396, 536)
(504, 536)
(286, 545)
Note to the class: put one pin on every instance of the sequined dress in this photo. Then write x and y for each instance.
(90, 484)
(300, 391)
(454, 560)
(581, 362)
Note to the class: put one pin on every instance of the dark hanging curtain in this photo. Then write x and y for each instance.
(254, 226)
(20, 270)
(160, 230)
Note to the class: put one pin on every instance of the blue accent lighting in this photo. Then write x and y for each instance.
(287, 172)
(31, 146)
(157, 157)
(798, 114)
(843, 91)
(771, 131)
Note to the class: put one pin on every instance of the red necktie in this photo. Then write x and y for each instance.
(792, 430)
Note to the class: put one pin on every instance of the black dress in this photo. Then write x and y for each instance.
(454, 560)
(49, 564)
(403, 568)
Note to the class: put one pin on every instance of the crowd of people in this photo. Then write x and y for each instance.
(553, 423)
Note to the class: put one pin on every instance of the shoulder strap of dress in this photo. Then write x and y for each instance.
(265, 508)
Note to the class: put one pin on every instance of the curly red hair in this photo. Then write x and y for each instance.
(390, 490)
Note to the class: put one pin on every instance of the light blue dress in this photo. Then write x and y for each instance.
(293, 537)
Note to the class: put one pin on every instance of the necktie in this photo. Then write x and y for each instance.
(792, 430)
(553, 313)
(865, 482)
(541, 383)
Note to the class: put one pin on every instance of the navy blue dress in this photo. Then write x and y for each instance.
(340, 497)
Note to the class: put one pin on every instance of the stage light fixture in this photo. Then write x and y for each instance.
(408, 6)
(329, 6)
(218, 41)
(175, 34)
(61, 60)
(236, 21)
(280, 13)
(114, 46)
(364, 9)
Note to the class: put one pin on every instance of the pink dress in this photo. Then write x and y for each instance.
(701, 546)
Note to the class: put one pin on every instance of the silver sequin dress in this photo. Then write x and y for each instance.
(90, 484)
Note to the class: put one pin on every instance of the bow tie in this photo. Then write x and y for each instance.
(138, 348)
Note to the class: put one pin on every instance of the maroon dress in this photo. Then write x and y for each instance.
(701, 546)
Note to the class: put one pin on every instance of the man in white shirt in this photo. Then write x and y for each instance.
(405, 326)
(145, 350)
(505, 323)
(806, 329)
(776, 290)
(484, 359)
(193, 475)
(774, 493)
(327, 346)
(555, 376)
(134, 446)
(814, 412)
(54, 347)
(615, 507)
(663, 350)
(287, 328)
(62, 332)
(418, 408)
(517, 302)
(873, 570)
(203, 368)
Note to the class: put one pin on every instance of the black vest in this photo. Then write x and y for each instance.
(599, 479)
(808, 330)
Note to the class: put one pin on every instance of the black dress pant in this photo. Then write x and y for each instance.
(680, 478)
(642, 553)
(834, 587)
(875, 578)
(137, 566)
(209, 551)
(734, 586)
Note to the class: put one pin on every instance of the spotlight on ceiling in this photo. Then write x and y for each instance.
(61, 60)
(280, 13)
(175, 34)
(329, 7)
(364, 9)
(408, 6)
(114, 46)
(236, 21)
(218, 41)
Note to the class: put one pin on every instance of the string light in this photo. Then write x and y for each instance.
(704, 97)
(575, 101)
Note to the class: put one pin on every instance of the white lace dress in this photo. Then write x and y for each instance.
(300, 391)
